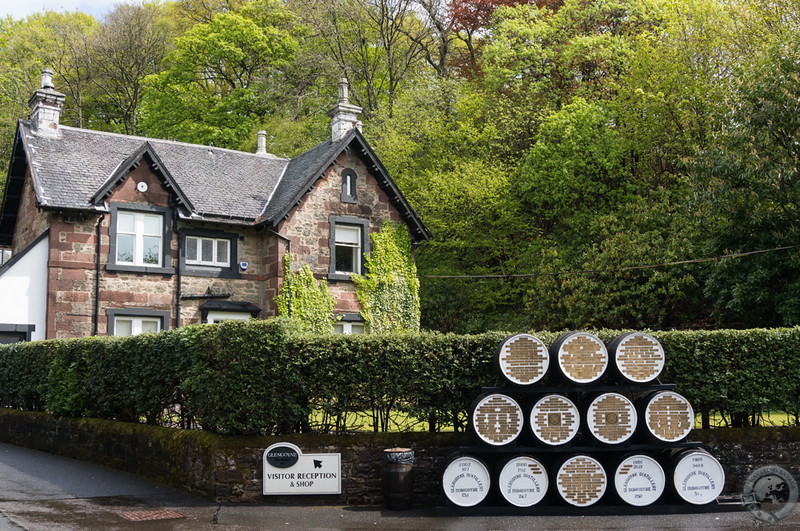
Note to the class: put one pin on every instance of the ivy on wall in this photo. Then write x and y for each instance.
(389, 293)
(305, 299)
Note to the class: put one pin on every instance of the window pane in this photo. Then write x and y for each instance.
(123, 326)
(191, 248)
(152, 225)
(150, 325)
(356, 328)
(351, 235)
(338, 328)
(222, 252)
(152, 250)
(345, 262)
(125, 222)
(207, 249)
(125, 248)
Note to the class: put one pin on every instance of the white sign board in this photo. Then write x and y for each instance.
(288, 472)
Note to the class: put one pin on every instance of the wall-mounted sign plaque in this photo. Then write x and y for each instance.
(288, 472)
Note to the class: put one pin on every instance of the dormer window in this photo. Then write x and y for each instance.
(140, 238)
(349, 180)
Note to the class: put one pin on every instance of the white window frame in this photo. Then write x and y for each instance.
(349, 247)
(348, 328)
(360, 247)
(197, 260)
(136, 324)
(139, 235)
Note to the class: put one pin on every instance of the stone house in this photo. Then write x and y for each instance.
(115, 234)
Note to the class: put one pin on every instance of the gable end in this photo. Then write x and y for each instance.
(146, 151)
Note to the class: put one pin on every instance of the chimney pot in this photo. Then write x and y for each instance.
(261, 149)
(345, 114)
(47, 79)
(344, 97)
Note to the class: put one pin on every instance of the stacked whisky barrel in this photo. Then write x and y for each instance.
(579, 423)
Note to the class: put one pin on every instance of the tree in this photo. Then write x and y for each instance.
(752, 195)
(574, 172)
(672, 97)
(222, 77)
(61, 42)
(536, 60)
(202, 11)
(55, 40)
(578, 50)
(131, 44)
(470, 21)
(619, 280)
(368, 42)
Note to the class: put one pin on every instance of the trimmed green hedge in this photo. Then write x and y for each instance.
(265, 377)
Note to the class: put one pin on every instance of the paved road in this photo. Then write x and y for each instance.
(39, 491)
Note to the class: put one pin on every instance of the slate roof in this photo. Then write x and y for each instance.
(77, 170)
(219, 183)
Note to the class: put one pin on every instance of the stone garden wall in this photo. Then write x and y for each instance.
(228, 469)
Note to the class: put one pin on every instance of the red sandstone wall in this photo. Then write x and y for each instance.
(31, 222)
(309, 228)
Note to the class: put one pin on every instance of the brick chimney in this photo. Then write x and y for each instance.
(46, 104)
(345, 115)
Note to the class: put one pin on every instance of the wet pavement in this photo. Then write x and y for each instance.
(40, 491)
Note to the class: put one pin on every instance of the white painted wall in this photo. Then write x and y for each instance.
(23, 290)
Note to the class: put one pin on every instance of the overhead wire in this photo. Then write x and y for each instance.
(616, 269)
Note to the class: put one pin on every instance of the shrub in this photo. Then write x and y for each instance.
(270, 377)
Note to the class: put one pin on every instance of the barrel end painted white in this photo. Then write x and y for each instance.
(639, 480)
(669, 417)
(555, 420)
(581, 357)
(523, 481)
(698, 477)
(523, 359)
(611, 418)
(466, 481)
(497, 419)
(638, 357)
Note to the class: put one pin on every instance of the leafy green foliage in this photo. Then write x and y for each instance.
(305, 299)
(389, 292)
(242, 377)
(220, 72)
(574, 171)
(752, 187)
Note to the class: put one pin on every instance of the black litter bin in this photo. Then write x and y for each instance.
(398, 479)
